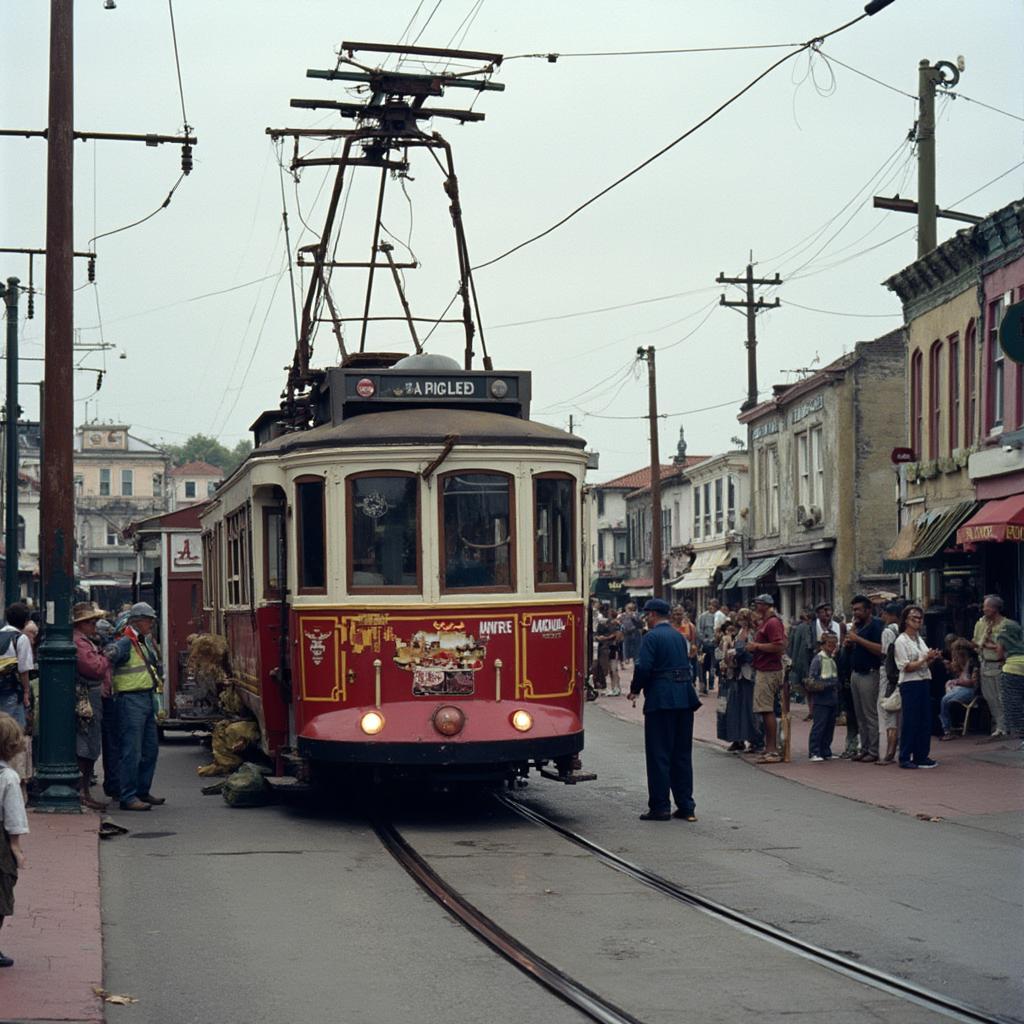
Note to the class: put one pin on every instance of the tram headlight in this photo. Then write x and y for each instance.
(449, 720)
(522, 721)
(371, 723)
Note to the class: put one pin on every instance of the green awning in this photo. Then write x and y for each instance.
(932, 531)
(749, 575)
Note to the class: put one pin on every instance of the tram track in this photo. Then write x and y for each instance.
(950, 1008)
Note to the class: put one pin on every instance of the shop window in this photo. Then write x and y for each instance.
(310, 528)
(476, 528)
(383, 535)
(554, 549)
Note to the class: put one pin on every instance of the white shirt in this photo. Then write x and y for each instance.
(12, 807)
(908, 650)
(720, 619)
(889, 635)
(23, 648)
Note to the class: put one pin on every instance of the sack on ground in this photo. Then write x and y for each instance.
(229, 742)
(246, 788)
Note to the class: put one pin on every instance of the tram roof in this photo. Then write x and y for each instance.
(424, 426)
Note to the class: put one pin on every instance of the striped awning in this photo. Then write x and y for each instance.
(752, 572)
(930, 533)
(703, 570)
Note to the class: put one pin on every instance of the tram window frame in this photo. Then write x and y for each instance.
(209, 570)
(381, 588)
(300, 534)
(560, 585)
(512, 540)
(238, 577)
(277, 537)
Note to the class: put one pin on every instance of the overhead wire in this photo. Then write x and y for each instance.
(648, 53)
(836, 312)
(675, 142)
(177, 67)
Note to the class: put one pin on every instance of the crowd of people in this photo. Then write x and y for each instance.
(117, 679)
(874, 675)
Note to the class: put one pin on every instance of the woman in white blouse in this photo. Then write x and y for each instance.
(913, 659)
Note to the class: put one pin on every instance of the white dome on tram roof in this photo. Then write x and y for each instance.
(427, 361)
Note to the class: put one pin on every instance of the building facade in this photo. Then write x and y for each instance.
(822, 481)
(966, 421)
(193, 483)
(119, 478)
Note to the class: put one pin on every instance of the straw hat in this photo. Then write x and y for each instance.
(86, 611)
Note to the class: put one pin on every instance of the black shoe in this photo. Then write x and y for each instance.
(684, 815)
(153, 801)
(6, 961)
(909, 764)
(652, 816)
(135, 805)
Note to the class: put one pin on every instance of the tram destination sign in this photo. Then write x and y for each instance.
(366, 388)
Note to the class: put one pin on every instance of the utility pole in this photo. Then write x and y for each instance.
(11, 590)
(647, 354)
(752, 306)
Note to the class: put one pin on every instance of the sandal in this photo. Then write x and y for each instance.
(769, 759)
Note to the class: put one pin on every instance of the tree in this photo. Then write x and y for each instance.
(203, 448)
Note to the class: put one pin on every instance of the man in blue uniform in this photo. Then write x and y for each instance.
(662, 674)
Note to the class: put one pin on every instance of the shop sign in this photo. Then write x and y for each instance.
(799, 412)
(764, 429)
(900, 455)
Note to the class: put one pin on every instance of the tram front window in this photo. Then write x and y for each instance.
(478, 542)
(384, 538)
(554, 547)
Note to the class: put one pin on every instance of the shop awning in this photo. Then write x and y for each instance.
(703, 570)
(998, 520)
(729, 574)
(752, 572)
(806, 565)
(930, 533)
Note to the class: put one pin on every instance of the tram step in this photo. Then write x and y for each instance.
(570, 778)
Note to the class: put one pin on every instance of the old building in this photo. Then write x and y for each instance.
(193, 482)
(119, 478)
(720, 506)
(966, 425)
(822, 481)
(29, 437)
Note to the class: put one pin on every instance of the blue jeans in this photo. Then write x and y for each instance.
(111, 748)
(958, 695)
(12, 702)
(136, 722)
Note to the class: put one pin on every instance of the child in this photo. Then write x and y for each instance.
(961, 685)
(13, 821)
(823, 673)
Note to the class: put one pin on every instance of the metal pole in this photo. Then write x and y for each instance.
(12, 592)
(58, 771)
(926, 220)
(652, 406)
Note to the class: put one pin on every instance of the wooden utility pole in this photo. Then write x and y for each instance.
(652, 413)
(751, 306)
(11, 412)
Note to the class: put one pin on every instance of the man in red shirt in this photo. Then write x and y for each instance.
(767, 647)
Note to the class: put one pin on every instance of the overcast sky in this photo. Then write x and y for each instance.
(807, 147)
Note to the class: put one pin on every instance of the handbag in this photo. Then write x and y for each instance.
(83, 707)
(892, 702)
(815, 685)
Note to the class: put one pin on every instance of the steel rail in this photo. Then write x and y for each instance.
(908, 990)
(511, 949)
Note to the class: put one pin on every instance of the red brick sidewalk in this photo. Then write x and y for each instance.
(55, 934)
(973, 778)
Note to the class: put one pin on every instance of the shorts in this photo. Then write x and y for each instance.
(766, 688)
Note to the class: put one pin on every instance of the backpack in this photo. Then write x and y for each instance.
(892, 672)
(9, 661)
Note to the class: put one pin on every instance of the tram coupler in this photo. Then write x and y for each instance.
(567, 770)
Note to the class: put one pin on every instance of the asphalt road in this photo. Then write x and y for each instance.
(274, 914)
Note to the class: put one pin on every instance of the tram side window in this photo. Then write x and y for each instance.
(479, 544)
(273, 551)
(383, 539)
(310, 526)
(554, 548)
(238, 557)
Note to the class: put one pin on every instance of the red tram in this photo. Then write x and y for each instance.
(402, 585)
(398, 567)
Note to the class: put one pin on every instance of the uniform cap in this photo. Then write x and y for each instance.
(656, 605)
(141, 611)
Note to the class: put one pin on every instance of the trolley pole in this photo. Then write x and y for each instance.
(58, 770)
(11, 589)
(652, 413)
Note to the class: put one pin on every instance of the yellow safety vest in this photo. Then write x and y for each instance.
(133, 675)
